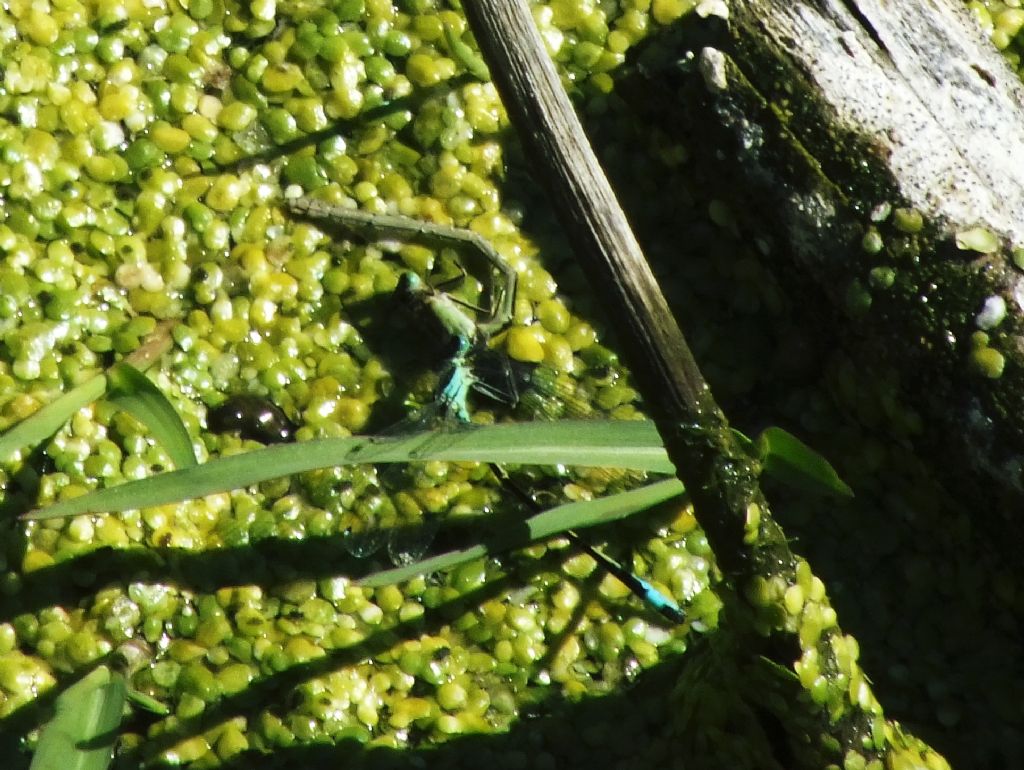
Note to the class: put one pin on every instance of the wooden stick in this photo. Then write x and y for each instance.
(588, 210)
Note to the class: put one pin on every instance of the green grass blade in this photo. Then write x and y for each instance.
(790, 461)
(540, 526)
(630, 444)
(147, 703)
(131, 390)
(84, 728)
(48, 419)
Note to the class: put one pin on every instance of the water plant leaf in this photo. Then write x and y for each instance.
(540, 526)
(131, 390)
(465, 55)
(789, 460)
(84, 728)
(42, 424)
(146, 702)
(629, 444)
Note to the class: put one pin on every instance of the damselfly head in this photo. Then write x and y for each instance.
(410, 286)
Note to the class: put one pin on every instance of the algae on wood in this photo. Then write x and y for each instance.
(877, 148)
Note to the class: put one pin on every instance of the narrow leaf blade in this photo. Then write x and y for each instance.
(634, 445)
(83, 731)
(787, 459)
(540, 526)
(131, 390)
(39, 426)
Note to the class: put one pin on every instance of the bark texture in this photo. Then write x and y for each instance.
(829, 115)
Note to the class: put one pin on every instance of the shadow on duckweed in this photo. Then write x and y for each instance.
(341, 127)
(646, 724)
(265, 692)
(266, 563)
(680, 713)
(932, 597)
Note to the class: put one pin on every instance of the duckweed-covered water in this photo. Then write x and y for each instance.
(145, 149)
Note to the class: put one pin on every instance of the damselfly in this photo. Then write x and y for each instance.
(469, 345)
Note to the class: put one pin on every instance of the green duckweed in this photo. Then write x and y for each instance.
(120, 197)
(987, 362)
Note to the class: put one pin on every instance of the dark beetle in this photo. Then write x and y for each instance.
(252, 417)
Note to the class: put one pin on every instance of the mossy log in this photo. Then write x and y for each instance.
(875, 151)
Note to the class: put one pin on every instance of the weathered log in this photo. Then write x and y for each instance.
(878, 147)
